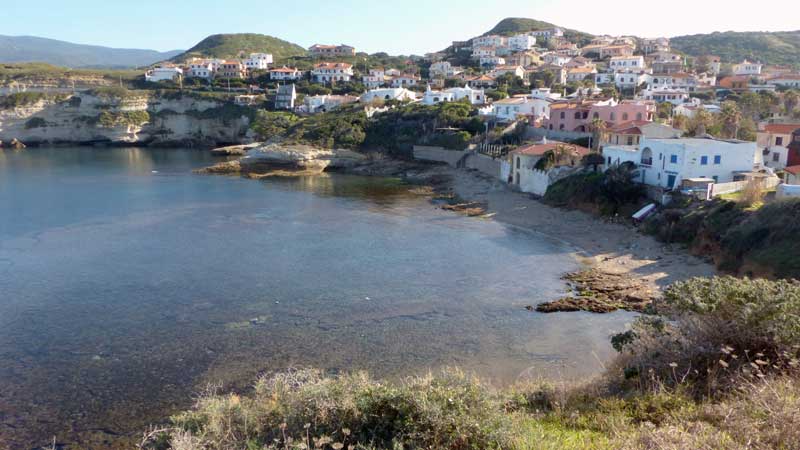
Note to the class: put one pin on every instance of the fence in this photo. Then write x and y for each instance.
(718, 189)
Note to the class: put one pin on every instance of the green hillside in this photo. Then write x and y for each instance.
(230, 45)
(515, 25)
(769, 48)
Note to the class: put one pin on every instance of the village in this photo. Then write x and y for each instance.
(627, 99)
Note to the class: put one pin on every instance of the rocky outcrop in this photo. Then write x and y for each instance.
(137, 118)
(602, 292)
(16, 145)
(234, 150)
(298, 158)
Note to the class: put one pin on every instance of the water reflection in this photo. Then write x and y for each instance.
(127, 283)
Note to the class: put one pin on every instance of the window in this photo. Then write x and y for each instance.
(638, 116)
(518, 160)
(563, 115)
(673, 159)
(630, 140)
(613, 117)
(704, 160)
(624, 116)
(578, 115)
(776, 157)
(779, 141)
(561, 127)
(717, 159)
(596, 115)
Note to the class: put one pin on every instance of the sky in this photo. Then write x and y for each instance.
(397, 27)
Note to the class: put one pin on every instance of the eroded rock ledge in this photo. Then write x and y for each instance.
(602, 292)
(286, 159)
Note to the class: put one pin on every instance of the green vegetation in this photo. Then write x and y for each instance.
(108, 119)
(10, 72)
(21, 99)
(231, 45)
(451, 125)
(116, 93)
(742, 239)
(609, 193)
(35, 122)
(716, 367)
(516, 25)
(769, 48)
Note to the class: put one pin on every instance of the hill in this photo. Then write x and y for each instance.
(16, 49)
(769, 48)
(516, 25)
(230, 45)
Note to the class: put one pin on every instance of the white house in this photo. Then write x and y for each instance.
(481, 52)
(789, 80)
(679, 80)
(201, 69)
(285, 97)
(556, 59)
(491, 40)
(691, 108)
(626, 64)
(285, 73)
(404, 80)
(492, 61)
(509, 109)
(773, 139)
(747, 68)
(444, 69)
(549, 33)
(527, 178)
(330, 72)
(388, 94)
(475, 96)
(578, 74)
(674, 96)
(376, 78)
(521, 42)
(629, 80)
(432, 97)
(667, 162)
(258, 61)
(163, 74)
(517, 71)
(323, 103)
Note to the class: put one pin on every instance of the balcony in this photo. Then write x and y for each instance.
(647, 162)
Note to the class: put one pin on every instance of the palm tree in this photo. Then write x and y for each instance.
(731, 118)
(598, 128)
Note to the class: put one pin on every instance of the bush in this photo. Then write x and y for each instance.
(608, 192)
(716, 332)
(304, 409)
(269, 125)
(455, 141)
(35, 122)
(21, 99)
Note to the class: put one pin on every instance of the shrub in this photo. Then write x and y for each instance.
(304, 409)
(35, 122)
(609, 192)
(21, 99)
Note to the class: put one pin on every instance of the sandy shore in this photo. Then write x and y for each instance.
(607, 246)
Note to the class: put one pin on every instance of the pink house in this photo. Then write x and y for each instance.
(578, 115)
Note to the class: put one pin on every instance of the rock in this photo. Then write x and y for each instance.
(223, 168)
(602, 292)
(16, 144)
(297, 158)
(233, 150)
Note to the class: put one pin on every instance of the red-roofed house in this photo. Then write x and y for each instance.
(285, 73)
(773, 139)
(527, 178)
(331, 71)
(791, 175)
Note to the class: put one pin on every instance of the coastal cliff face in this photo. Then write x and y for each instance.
(123, 118)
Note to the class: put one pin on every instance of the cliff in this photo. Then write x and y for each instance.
(114, 116)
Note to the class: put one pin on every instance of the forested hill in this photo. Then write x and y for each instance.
(231, 45)
(770, 48)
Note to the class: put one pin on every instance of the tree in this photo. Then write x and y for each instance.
(701, 123)
(598, 128)
(665, 110)
(790, 101)
(680, 122)
(269, 125)
(730, 118)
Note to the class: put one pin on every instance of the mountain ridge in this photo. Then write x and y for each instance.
(18, 49)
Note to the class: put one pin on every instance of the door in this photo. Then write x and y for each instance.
(671, 181)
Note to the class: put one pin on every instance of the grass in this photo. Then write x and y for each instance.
(20, 71)
(716, 369)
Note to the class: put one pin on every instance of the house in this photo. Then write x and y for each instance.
(678, 80)
(667, 62)
(747, 68)
(432, 97)
(258, 61)
(611, 51)
(579, 74)
(556, 59)
(329, 72)
(167, 73)
(322, 103)
(483, 81)
(690, 109)
(404, 80)
(332, 50)
(491, 40)
(568, 49)
(773, 139)
(400, 94)
(578, 115)
(629, 80)
(526, 177)
(444, 69)
(548, 34)
(285, 97)
(736, 83)
(559, 72)
(626, 64)
(517, 71)
(632, 133)
(524, 59)
(246, 100)
(375, 78)
(789, 80)
(521, 42)
(649, 46)
(791, 175)
(667, 162)
(675, 96)
(285, 73)
(200, 68)
(510, 109)
(580, 61)
(233, 70)
(492, 61)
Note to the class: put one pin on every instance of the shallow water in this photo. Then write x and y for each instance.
(127, 283)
